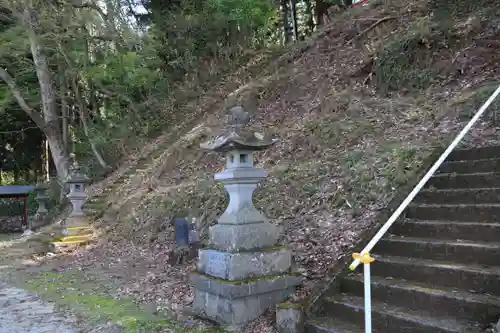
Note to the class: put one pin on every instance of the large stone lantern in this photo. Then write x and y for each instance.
(77, 183)
(244, 271)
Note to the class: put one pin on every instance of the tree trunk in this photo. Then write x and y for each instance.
(293, 16)
(51, 127)
(321, 12)
(84, 115)
(284, 21)
(310, 17)
(64, 112)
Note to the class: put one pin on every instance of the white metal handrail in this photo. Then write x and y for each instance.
(364, 256)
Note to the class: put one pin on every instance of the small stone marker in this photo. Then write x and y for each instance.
(184, 249)
(181, 228)
(244, 271)
(289, 318)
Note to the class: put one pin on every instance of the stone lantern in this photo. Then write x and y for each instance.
(244, 271)
(42, 199)
(77, 184)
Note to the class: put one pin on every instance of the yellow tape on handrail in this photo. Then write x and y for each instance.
(364, 259)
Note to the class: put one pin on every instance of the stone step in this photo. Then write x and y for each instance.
(459, 196)
(96, 199)
(80, 237)
(144, 163)
(91, 210)
(96, 214)
(472, 166)
(472, 231)
(95, 204)
(467, 181)
(68, 243)
(458, 213)
(79, 227)
(444, 302)
(80, 232)
(129, 173)
(471, 277)
(330, 325)
(387, 318)
(475, 153)
(157, 153)
(428, 248)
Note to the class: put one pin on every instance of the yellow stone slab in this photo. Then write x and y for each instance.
(79, 230)
(76, 238)
(74, 242)
(80, 227)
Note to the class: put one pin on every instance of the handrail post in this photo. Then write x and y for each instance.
(366, 260)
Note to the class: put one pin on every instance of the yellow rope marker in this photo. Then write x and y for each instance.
(364, 259)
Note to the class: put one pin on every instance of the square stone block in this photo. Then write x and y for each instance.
(289, 320)
(242, 265)
(244, 236)
(236, 304)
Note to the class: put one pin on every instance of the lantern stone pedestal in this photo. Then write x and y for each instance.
(244, 271)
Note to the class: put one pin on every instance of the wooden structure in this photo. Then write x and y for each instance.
(18, 192)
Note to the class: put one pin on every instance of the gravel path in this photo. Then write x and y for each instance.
(24, 312)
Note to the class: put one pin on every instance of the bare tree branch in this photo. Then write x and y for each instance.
(89, 5)
(11, 83)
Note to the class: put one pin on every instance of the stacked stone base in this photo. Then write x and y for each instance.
(235, 303)
(234, 288)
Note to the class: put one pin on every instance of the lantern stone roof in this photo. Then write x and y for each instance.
(237, 135)
(41, 186)
(76, 177)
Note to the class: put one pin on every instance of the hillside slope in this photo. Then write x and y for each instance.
(357, 109)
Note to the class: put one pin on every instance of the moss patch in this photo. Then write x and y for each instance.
(250, 279)
(470, 101)
(68, 291)
(290, 305)
(407, 62)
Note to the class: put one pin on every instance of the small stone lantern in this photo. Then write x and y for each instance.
(42, 199)
(244, 271)
(77, 184)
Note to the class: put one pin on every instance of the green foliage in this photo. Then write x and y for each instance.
(406, 61)
(472, 101)
(222, 28)
(445, 9)
(65, 289)
(129, 80)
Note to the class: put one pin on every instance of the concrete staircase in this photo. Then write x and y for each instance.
(438, 271)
